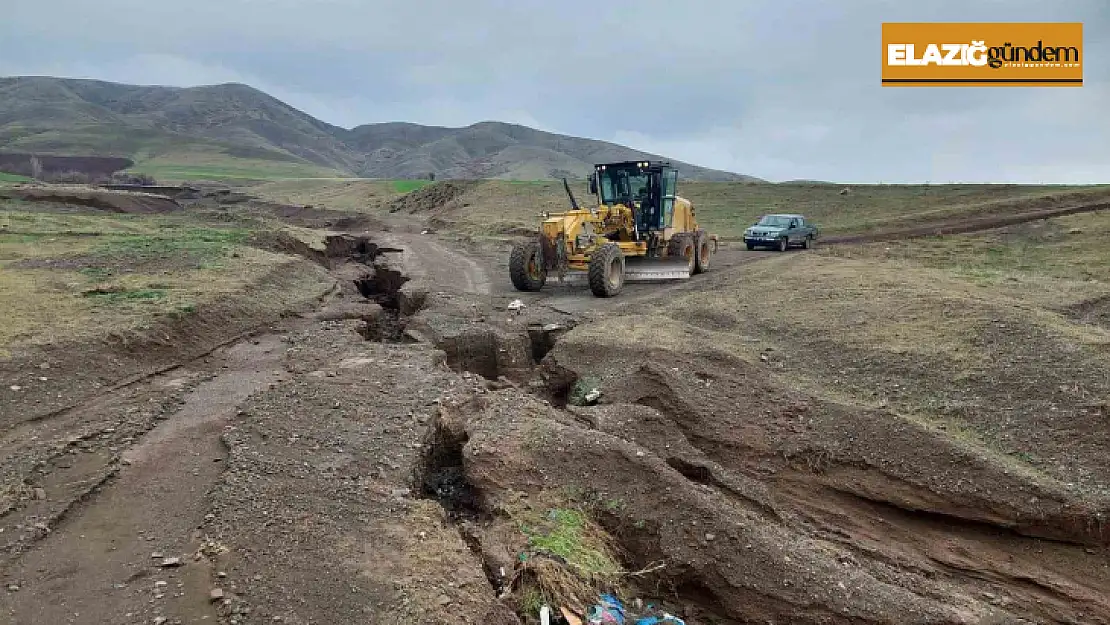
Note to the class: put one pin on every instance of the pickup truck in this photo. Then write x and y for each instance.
(781, 231)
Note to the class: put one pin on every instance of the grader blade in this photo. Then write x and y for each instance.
(651, 269)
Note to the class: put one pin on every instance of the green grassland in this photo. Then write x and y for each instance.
(494, 208)
(65, 274)
(6, 177)
(184, 166)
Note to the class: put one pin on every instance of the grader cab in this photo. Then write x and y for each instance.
(640, 230)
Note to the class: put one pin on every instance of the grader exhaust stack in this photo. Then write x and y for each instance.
(641, 230)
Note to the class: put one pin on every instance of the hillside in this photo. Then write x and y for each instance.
(234, 130)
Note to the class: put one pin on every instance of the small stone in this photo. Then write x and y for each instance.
(221, 575)
(710, 536)
(161, 620)
(13, 587)
(216, 595)
(15, 387)
(444, 600)
(170, 562)
(160, 583)
(39, 493)
(157, 555)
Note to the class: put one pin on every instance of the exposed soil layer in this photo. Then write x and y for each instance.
(432, 198)
(399, 442)
(91, 197)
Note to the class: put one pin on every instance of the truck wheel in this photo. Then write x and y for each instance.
(702, 258)
(606, 271)
(808, 244)
(526, 268)
(682, 246)
(751, 247)
(783, 244)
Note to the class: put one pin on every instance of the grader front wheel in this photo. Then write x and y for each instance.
(606, 271)
(681, 248)
(526, 268)
(701, 264)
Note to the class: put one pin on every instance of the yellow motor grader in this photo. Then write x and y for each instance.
(639, 230)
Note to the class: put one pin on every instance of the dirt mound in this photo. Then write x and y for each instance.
(721, 556)
(767, 503)
(100, 199)
(432, 198)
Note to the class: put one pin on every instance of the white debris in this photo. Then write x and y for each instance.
(515, 305)
(593, 396)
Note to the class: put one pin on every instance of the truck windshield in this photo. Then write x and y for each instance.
(776, 221)
(618, 185)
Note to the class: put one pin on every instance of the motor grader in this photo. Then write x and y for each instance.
(640, 230)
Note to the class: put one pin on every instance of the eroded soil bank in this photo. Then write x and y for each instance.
(416, 451)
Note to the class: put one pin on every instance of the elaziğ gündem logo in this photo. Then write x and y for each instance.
(982, 54)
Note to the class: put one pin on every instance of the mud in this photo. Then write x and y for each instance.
(393, 439)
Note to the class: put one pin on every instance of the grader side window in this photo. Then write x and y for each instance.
(670, 182)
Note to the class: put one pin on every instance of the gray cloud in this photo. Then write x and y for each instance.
(774, 89)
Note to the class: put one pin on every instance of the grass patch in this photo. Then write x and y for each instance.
(408, 186)
(568, 533)
(356, 195)
(70, 274)
(202, 244)
(116, 295)
(582, 387)
(6, 177)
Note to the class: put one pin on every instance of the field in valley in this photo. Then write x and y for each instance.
(891, 428)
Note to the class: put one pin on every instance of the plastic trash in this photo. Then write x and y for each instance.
(665, 619)
(655, 616)
(608, 610)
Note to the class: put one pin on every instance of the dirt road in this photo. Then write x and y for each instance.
(309, 473)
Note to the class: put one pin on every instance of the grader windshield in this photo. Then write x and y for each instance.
(623, 185)
(647, 186)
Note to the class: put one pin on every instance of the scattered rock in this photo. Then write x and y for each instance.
(216, 594)
(170, 562)
(39, 493)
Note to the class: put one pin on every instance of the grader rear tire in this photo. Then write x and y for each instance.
(682, 246)
(525, 268)
(606, 271)
(703, 252)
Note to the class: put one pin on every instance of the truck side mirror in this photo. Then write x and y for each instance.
(593, 184)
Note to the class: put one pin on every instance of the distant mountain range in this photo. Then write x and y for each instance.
(234, 127)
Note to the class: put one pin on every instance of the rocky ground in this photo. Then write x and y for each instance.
(413, 449)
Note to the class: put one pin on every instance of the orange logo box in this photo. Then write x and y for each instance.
(982, 54)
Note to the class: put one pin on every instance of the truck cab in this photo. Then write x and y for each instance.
(780, 231)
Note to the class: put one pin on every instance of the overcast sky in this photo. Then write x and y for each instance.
(780, 90)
